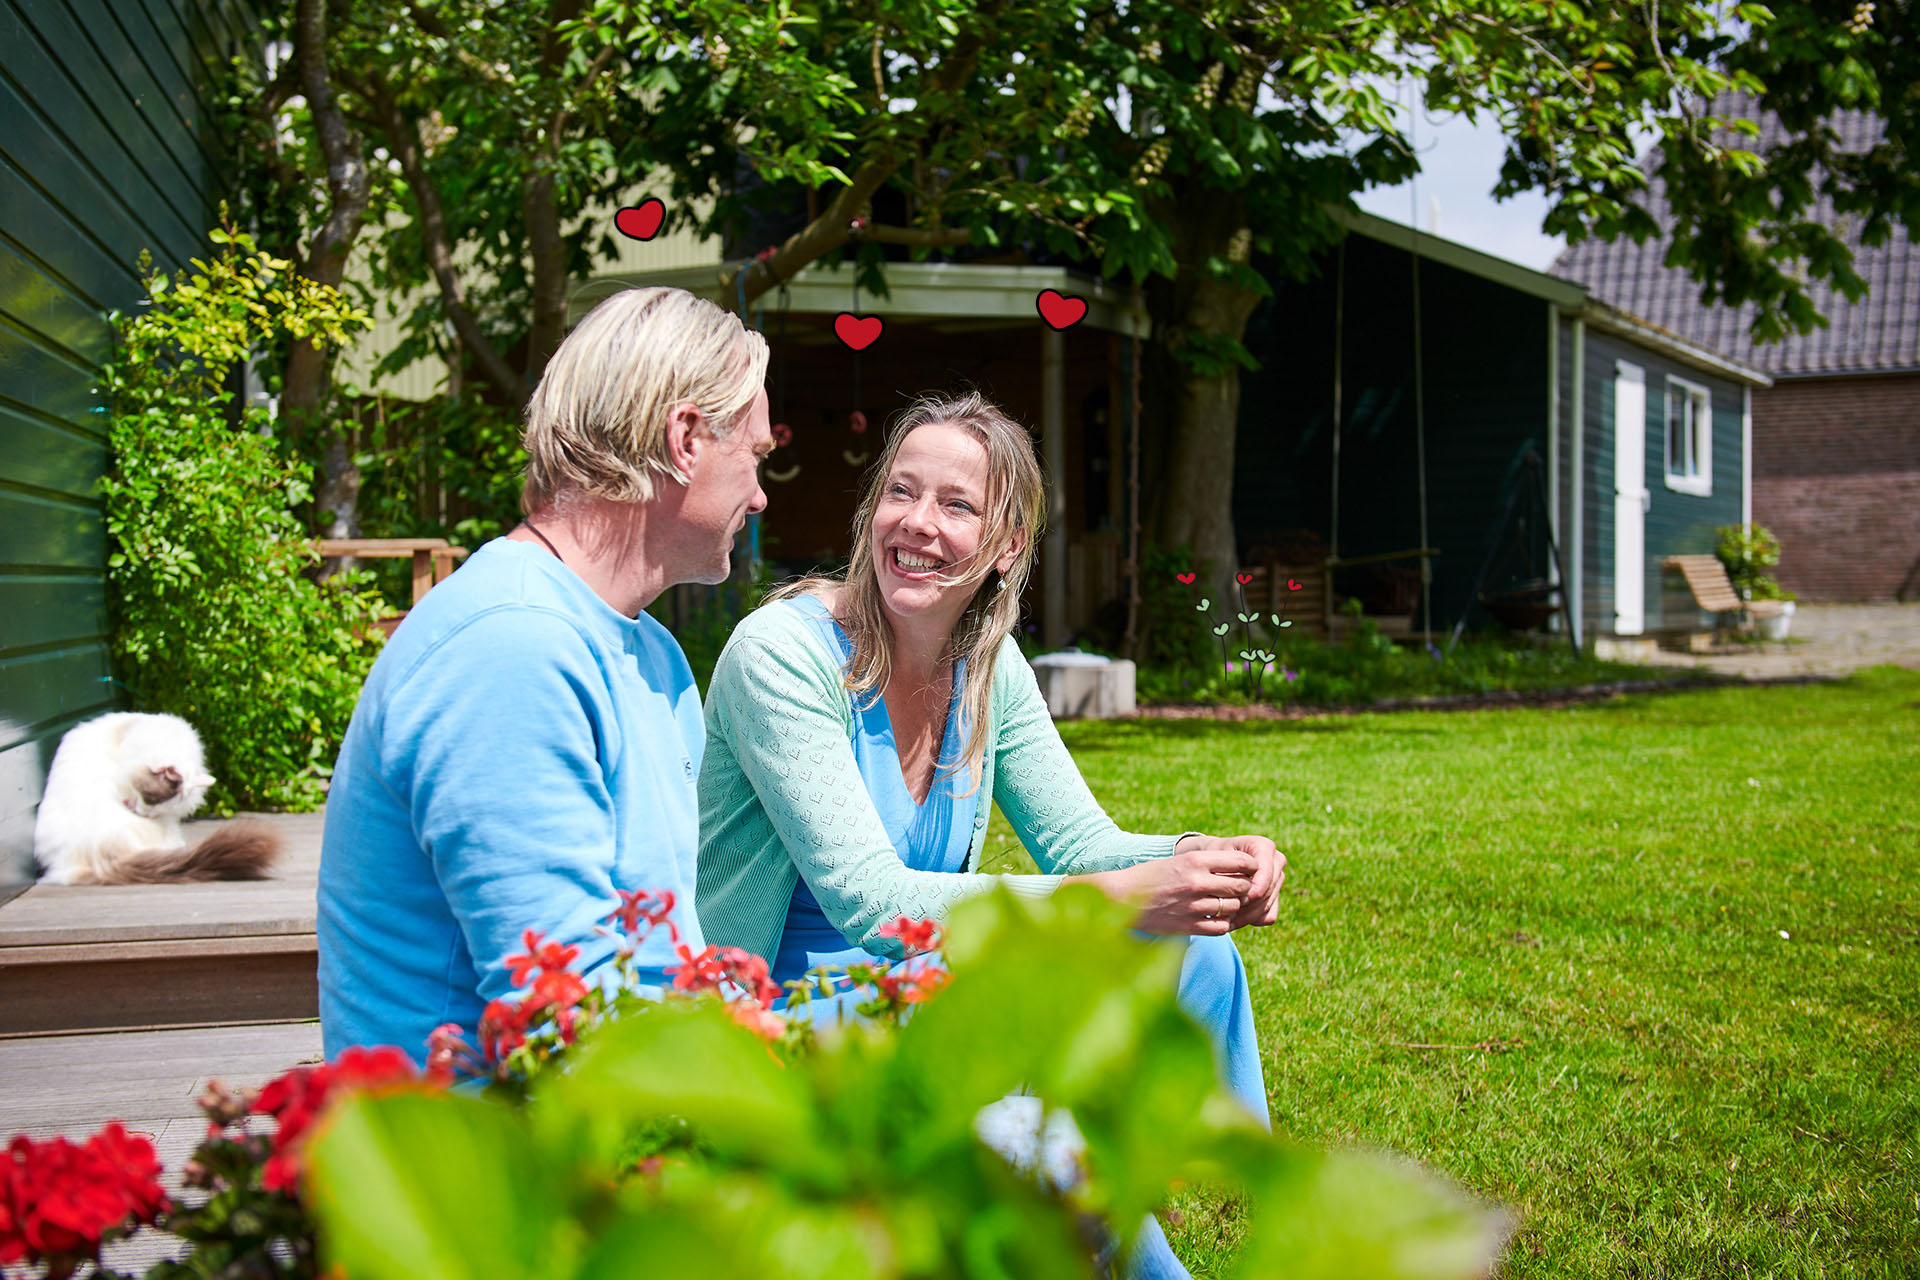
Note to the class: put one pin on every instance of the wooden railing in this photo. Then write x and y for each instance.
(433, 558)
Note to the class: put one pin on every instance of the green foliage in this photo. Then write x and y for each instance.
(1369, 667)
(213, 616)
(1172, 637)
(862, 1158)
(448, 468)
(1748, 551)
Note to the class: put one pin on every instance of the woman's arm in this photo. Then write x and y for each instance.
(1190, 884)
(1038, 786)
(779, 708)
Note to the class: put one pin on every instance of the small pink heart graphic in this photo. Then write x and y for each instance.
(1184, 579)
(1060, 310)
(1293, 584)
(858, 332)
(641, 221)
(1243, 578)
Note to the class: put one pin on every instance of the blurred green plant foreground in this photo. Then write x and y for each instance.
(861, 1159)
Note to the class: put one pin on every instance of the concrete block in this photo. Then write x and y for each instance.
(1085, 686)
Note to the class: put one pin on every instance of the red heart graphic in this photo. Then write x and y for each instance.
(858, 332)
(1184, 579)
(1060, 310)
(1243, 578)
(641, 221)
(1293, 585)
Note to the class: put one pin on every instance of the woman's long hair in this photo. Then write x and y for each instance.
(1016, 507)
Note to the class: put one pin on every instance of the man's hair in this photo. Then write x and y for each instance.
(597, 423)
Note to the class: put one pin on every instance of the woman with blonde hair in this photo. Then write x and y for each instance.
(859, 729)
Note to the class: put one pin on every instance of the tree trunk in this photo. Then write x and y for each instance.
(548, 249)
(348, 187)
(338, 498)
(1207, 319)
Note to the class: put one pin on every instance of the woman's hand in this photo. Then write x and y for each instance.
(1201, 890)
(1261, 902)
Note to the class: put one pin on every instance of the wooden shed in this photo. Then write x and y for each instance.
(1402, 390)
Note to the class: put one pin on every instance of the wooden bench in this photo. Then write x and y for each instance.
(1306, 608)
(432, 557)
(1713, 590)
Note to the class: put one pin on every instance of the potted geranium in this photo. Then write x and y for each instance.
(1749, 552)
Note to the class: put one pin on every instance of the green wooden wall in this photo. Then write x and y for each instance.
(105, 117)
(1676, 523)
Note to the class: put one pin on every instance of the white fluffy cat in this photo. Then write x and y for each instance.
(119, 787)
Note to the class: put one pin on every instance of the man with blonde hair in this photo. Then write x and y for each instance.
(528, 743)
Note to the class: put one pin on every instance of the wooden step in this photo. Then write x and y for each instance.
(105, 958)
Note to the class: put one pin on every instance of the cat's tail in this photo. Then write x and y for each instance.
(242, 850)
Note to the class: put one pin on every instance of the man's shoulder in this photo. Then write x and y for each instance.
(496, 608)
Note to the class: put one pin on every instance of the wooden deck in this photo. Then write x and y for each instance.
(121, 1002)
(97, 958)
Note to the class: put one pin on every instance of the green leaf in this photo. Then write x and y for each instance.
(413, 1185)
(692, 1064)
(1345, 1216)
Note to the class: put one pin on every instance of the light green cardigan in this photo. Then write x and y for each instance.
(781, 796)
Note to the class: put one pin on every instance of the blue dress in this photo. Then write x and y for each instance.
(934, 836)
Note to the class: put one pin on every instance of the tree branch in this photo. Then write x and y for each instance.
(348, 183)
(930, 237)
(404, 138)
(833, 227)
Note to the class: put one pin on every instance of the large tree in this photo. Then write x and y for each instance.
(1189, 145)
(475, 141)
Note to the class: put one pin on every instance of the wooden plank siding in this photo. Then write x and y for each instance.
(1676, 523)
(105, 151)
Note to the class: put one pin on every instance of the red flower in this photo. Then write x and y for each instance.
(448, 1054)
(749, 973)
(297, 1098)
(548, 956)
(557, 989)
(503, 1029)
(917, 936)
(643, 904)
(912, 988)
(701, 972)
(758, 1019)
(61, 1199)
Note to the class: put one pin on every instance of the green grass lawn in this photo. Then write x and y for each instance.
(1670, 943)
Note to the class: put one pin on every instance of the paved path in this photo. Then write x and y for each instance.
(1826, 640)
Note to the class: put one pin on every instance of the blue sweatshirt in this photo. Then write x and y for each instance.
(519, 753)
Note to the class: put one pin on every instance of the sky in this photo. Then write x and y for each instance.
(1459, 163)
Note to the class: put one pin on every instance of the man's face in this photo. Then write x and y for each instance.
(723, 489)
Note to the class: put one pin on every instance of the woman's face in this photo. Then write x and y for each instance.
(929, 522)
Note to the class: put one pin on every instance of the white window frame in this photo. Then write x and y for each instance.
(1699, 481)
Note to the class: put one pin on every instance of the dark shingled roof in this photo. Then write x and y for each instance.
(1881, 333)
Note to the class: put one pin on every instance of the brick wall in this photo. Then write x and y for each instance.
(1836, 476)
